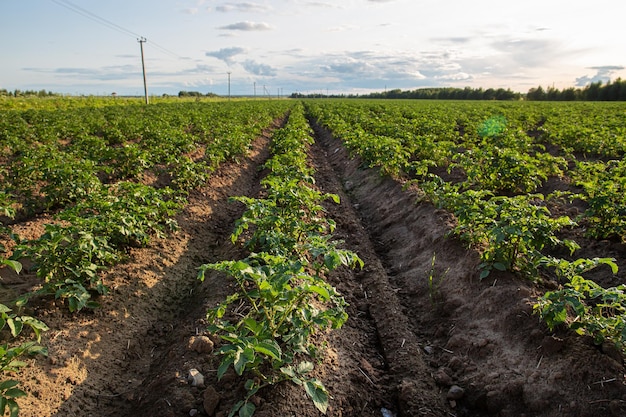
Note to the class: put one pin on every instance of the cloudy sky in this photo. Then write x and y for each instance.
(308, 46)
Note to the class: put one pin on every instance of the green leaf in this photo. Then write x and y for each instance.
(15, 265)
(288, 370)
(221, 370)
(247, 410)
(611, 263)
(305, 367)
(73, 304)
(332, 260)
(14, 393)
(499, 266)
(8, 384)
(22, 300)
(254, 326)
(249, 384)
(235, 408)
(15, 409)
(269, 348)
(242, 358)
(322, 292)
(16, 364)
(15, 326)
(318, 394)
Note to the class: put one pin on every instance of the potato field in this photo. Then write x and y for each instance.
(312, 257)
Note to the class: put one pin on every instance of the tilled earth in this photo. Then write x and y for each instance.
(425, 337)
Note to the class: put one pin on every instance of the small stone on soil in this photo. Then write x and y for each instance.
(455, 393)
(195, 378)
(387, 413)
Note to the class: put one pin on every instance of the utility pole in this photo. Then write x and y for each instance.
(255, 89)
(228, 85)
(143, 67)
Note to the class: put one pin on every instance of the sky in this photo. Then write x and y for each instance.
(272, 47)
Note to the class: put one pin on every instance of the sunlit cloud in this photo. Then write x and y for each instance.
(603, 74)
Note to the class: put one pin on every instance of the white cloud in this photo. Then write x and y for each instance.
(247, 26)
(459, 76)
(603, 74)
(258, 69)
(242, 7)
(226, 54)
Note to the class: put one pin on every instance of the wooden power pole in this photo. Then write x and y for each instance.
(143, 67)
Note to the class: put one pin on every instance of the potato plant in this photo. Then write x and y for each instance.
(282, 298)
(12, 348)
(582, 305)
(605, 192)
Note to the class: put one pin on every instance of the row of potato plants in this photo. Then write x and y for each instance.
(487, 163)
(282, 298)
(89, 169)
(54, 157)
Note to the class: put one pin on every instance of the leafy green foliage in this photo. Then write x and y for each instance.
(480, 161)
(506, 169)
(282, 298)
(86, 165)
(10, 354)
(510, 232)
(605, 187)
(583, 305)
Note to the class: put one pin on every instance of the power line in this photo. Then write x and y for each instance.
(111, 25)
(92, 16)
(167, 51)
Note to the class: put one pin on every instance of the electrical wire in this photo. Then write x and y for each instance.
(111, 25)
(92, 16)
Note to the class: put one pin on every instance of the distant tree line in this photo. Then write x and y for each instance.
(195, 94)
(443, 93)
(449, 93)
(25, 93)
(611, 91)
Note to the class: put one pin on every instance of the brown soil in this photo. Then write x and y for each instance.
(450, 346)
